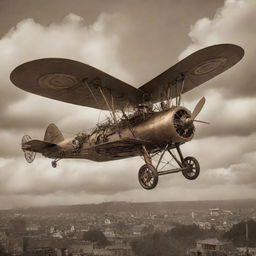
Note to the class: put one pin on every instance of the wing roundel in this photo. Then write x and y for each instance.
(74, 82)
(195, 69)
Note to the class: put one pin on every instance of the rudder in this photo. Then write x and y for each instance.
(53, 134)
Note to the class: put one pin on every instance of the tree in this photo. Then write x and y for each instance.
(96, 236)
(121, 227)
(189, 234)
(156, 244)
(172, 243)
(2, 251)
(237, 234)
(148, 229)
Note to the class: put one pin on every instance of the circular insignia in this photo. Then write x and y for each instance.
(57, 81)
(208, 66)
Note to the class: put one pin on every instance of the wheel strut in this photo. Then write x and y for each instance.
(148, 174)
(189, 166)
(146, 155)
(54, 163)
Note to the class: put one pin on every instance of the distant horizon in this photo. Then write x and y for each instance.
(129, 202)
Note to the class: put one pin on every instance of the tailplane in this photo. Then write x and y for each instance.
(30, 147)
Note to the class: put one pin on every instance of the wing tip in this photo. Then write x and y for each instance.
(228, 47)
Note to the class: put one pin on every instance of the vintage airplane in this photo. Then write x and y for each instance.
(148, 121)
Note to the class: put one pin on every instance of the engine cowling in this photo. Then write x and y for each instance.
(173, 125)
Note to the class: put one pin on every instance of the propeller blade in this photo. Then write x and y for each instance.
(203, 122)
(198, 108)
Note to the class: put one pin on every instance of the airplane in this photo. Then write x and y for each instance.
(148, 121)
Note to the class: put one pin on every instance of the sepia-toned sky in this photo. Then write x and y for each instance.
(133, 41)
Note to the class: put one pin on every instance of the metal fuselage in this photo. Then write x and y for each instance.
(154, 130)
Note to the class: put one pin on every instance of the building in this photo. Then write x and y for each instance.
(211, 247)
(251, 251)
(215, 212)
(15, 244)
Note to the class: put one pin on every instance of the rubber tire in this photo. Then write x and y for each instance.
(153, 173)
(54, 164)
(196, 165)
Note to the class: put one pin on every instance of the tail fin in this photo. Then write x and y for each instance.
(53, 134)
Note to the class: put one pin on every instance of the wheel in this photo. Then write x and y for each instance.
(193, 168)
(54, 164)
(148, 176)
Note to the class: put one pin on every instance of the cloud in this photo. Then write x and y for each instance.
(226, 147)
(39, 178)
(234, 23)
(92, 44)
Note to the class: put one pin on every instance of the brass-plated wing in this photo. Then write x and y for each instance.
(195, 69)
(74, 82)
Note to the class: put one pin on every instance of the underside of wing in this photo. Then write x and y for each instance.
(124, 144)
(123, 148)
(74, 82)
(195, 69)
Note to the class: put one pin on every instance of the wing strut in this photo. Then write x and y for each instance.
(110, 108)
(178, 99)
(178, 86)
(88, 87)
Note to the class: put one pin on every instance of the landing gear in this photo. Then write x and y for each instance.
(54, 164)
(148, 174)
(193, 168)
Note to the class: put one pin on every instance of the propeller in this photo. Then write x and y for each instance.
(195, 113)
(198, 108)
(203, 122)
(183, 121)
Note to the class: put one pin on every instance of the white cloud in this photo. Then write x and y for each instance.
(71, 38)
(234, 23)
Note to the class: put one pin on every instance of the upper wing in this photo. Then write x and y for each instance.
(196, 69)
(74, 82)
(78, 83)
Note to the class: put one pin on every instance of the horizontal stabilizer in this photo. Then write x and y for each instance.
(37, 146)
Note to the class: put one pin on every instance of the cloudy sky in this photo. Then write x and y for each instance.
(133, 41)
